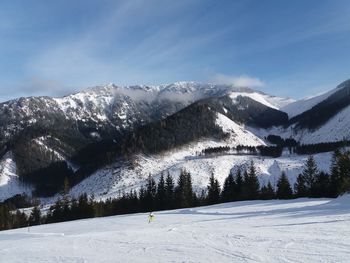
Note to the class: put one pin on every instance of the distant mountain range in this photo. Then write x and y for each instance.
(101, 133)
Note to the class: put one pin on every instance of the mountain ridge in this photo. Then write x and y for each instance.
(63, 135)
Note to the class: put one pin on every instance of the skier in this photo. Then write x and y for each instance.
(150, 217)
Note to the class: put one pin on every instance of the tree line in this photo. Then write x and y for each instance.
(276, 150)
(167, 193)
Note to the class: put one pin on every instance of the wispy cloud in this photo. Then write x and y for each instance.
(238, 81)
(155, 41)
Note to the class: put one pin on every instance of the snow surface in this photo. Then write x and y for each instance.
(335, 129)
(115, 179)
(269, 101)
(300, 106)
(96, 103)
(301, 230)
(10, 184)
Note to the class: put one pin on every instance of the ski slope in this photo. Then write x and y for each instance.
(302, 230)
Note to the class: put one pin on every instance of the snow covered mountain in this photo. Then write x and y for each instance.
(297, 107)
(101, 108)
(109, 138)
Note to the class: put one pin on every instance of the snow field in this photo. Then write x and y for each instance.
(301, 230)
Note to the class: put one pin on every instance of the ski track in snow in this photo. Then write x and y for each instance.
(301, 230)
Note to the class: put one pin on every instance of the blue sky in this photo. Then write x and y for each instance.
(287, 48)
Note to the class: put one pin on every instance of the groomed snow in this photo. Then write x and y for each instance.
(301, 230)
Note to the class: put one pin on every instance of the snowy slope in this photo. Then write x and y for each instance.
(114, 180)
(10, 184)
(301, 230)
(336, 129)
(269, 101)
(120, 177)
(238, 134)
(300, 106)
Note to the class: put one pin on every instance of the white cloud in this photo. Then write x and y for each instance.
(238, 81)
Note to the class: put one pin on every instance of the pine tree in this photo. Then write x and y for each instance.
(310, 172)
(20, 219)
(267, 192)
(183, 191)
(335, 174)
(322, 186)
(344, 172)
(284, 191)
(251, 183)
(300, 187)
(161, 194)
(169, 191)
(213, 191)
(151, 191)
(35, 216)
(4, 217)
(239, 183)
(142, 199)
(229, 188)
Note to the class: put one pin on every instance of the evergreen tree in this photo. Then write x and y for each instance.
(344, 172)
(251, 183)
(142, 199)
(322, 186)
(229, 188)
(161, 194)
(213, 191)
(169, 191)
(184, 192)
(239, 185)
(310, 172)
(284, 191)
(300, 187)
(335, 179)
(20, 220)
(4, 217)
(35, 216)
(151, 191)
(267, 192)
